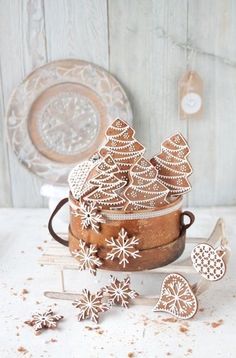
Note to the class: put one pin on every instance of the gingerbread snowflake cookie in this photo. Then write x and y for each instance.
(87, 257)
(90, 215)
(44, 320)
(122, 248)
(91, 305)
(119, 292)
(122, 146)
(173, 166)
(144, 191)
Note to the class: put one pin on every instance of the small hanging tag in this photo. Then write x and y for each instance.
(190, 95)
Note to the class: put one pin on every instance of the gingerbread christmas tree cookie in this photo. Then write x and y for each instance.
(144, 191)
(122, 146)
(106, 185)
(79, 175)
(173, 166)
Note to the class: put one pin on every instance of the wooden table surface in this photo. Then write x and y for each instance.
(133, 332)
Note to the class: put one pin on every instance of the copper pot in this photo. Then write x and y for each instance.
(161, 234)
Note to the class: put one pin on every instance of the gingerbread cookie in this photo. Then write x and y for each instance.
(90, 305)
(79, 174)
(144, 191)
(177, 297)
(208, 261)
(106, 185)
(173, 166)
(119, 292)
(122, 146)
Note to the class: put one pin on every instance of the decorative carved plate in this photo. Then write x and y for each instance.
(58, 116)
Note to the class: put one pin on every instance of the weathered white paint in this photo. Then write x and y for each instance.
(147, 45)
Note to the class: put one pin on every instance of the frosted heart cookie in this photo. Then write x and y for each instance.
(177, 297)
(208, 262)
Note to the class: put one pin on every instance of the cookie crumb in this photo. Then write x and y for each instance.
(217, 324)
(130, 355)
(183, 329)
(22, 349)
(170, 320)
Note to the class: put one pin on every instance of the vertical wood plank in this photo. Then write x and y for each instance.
(144, 57)
(77, 29)
(22, 48)
(212, 31)
(5, 184)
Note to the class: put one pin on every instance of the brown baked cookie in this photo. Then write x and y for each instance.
(122, 146)
(106, 185)
(173, 166)
(144, 191)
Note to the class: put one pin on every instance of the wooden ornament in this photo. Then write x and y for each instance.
(173, 166)
(190, 95)
(208, 261)
(177, 297)
(144, 191)
(106, 186)
(122, 146)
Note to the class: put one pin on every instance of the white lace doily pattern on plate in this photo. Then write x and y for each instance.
(58, 116)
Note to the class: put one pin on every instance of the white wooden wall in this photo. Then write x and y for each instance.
(147, 45)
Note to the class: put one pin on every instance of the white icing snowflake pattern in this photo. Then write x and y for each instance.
(122, 248)
(119, 292)
(44, 320)
(90, 217)
(87, 257)
(90, 305)
(177, 297)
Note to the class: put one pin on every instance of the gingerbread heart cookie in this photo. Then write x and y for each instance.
(177, 297)
(208, 262)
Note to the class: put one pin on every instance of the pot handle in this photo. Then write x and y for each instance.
(191, 219)
(50, 228)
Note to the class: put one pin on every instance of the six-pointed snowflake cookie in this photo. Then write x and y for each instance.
(87, 257)
(90, 216)
(44, 320)
(90, 305)
(119, 292)
(122, 248)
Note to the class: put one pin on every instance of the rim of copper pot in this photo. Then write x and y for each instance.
(176, 202)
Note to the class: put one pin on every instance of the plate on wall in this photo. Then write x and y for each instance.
(58, 115)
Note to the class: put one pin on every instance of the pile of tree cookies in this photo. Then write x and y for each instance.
(119, 177)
